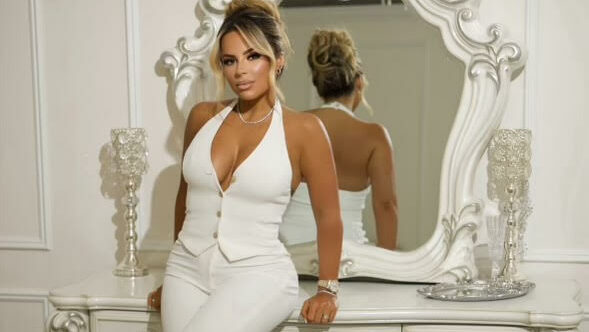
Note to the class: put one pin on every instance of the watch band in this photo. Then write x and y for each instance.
(330, 285)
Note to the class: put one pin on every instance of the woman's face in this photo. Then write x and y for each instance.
(246, 70)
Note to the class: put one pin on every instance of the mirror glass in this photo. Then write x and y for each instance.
(414, 90)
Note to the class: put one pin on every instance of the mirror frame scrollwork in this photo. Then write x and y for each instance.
(491, 64)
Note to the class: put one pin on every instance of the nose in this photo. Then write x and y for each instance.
(240, 67)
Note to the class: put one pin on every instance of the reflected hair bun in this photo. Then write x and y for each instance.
(334, 62)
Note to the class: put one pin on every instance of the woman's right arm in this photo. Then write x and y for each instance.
(381, 170)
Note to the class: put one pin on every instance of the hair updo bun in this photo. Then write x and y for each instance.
(259, 23)
(334, 62)
(258, 5)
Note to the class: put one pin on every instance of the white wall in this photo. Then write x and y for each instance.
(556, 110)
(72, 70)
(55, 116)
(551, 99)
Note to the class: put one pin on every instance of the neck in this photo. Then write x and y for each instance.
(347, 101)
(258, 107)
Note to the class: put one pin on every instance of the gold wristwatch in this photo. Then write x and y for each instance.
(331, 285)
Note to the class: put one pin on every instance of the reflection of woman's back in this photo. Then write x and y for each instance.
(362, 151)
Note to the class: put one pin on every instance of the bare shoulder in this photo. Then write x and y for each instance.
(378, 134)
(304, 123)
(204, 111)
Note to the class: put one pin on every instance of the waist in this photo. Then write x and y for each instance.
(180, 249)
(303, 210)
(237, 238)
(349, 200)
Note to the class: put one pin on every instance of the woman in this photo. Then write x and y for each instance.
(363, 151)
(243, 158)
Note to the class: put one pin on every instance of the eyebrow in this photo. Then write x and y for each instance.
(249, 50)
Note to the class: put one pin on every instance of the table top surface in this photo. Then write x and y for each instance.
(552, 303)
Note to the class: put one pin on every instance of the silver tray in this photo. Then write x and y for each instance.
(479, 290)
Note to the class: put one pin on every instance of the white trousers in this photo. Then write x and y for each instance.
(207, 293)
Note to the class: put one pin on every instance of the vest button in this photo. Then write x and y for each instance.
(219, 214)
(215, 235)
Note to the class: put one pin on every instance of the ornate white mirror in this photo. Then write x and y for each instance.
(438, 83)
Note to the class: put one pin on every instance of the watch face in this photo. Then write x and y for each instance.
(332, 285)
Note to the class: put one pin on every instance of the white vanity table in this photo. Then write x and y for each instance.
(104, 302)
(108, 303)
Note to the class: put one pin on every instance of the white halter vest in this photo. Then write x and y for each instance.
(245, 218)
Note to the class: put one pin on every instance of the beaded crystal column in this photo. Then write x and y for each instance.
(509, 170)
(130, 159)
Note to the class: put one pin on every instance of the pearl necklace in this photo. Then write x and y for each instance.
(253, 122)
(338, 106)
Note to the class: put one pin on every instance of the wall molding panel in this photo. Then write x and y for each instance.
(134, 95)
(530, 117)
(530, 98)
(135, 116)
(44, 239)
(531, 89)
(133, 70)
(27, 296)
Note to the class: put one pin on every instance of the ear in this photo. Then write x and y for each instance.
(280, 63)
(359, 84)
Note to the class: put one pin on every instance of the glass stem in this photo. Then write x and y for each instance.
(509, 270)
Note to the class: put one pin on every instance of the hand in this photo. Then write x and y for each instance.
(320, 309)
(154, 299)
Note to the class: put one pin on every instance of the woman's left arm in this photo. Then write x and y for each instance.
(318, 169)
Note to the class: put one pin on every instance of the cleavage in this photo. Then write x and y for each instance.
(233, 145)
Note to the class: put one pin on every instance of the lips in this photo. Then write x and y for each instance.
(244, 85)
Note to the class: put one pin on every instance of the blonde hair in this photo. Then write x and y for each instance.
(259, 23)
(335, 63)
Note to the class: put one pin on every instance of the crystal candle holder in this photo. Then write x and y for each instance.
(130, 161)
(509, 169)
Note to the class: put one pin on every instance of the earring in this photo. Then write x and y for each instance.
(279, 71)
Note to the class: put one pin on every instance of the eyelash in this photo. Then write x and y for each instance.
(254, 56)
(250, 57)
(227, 62)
